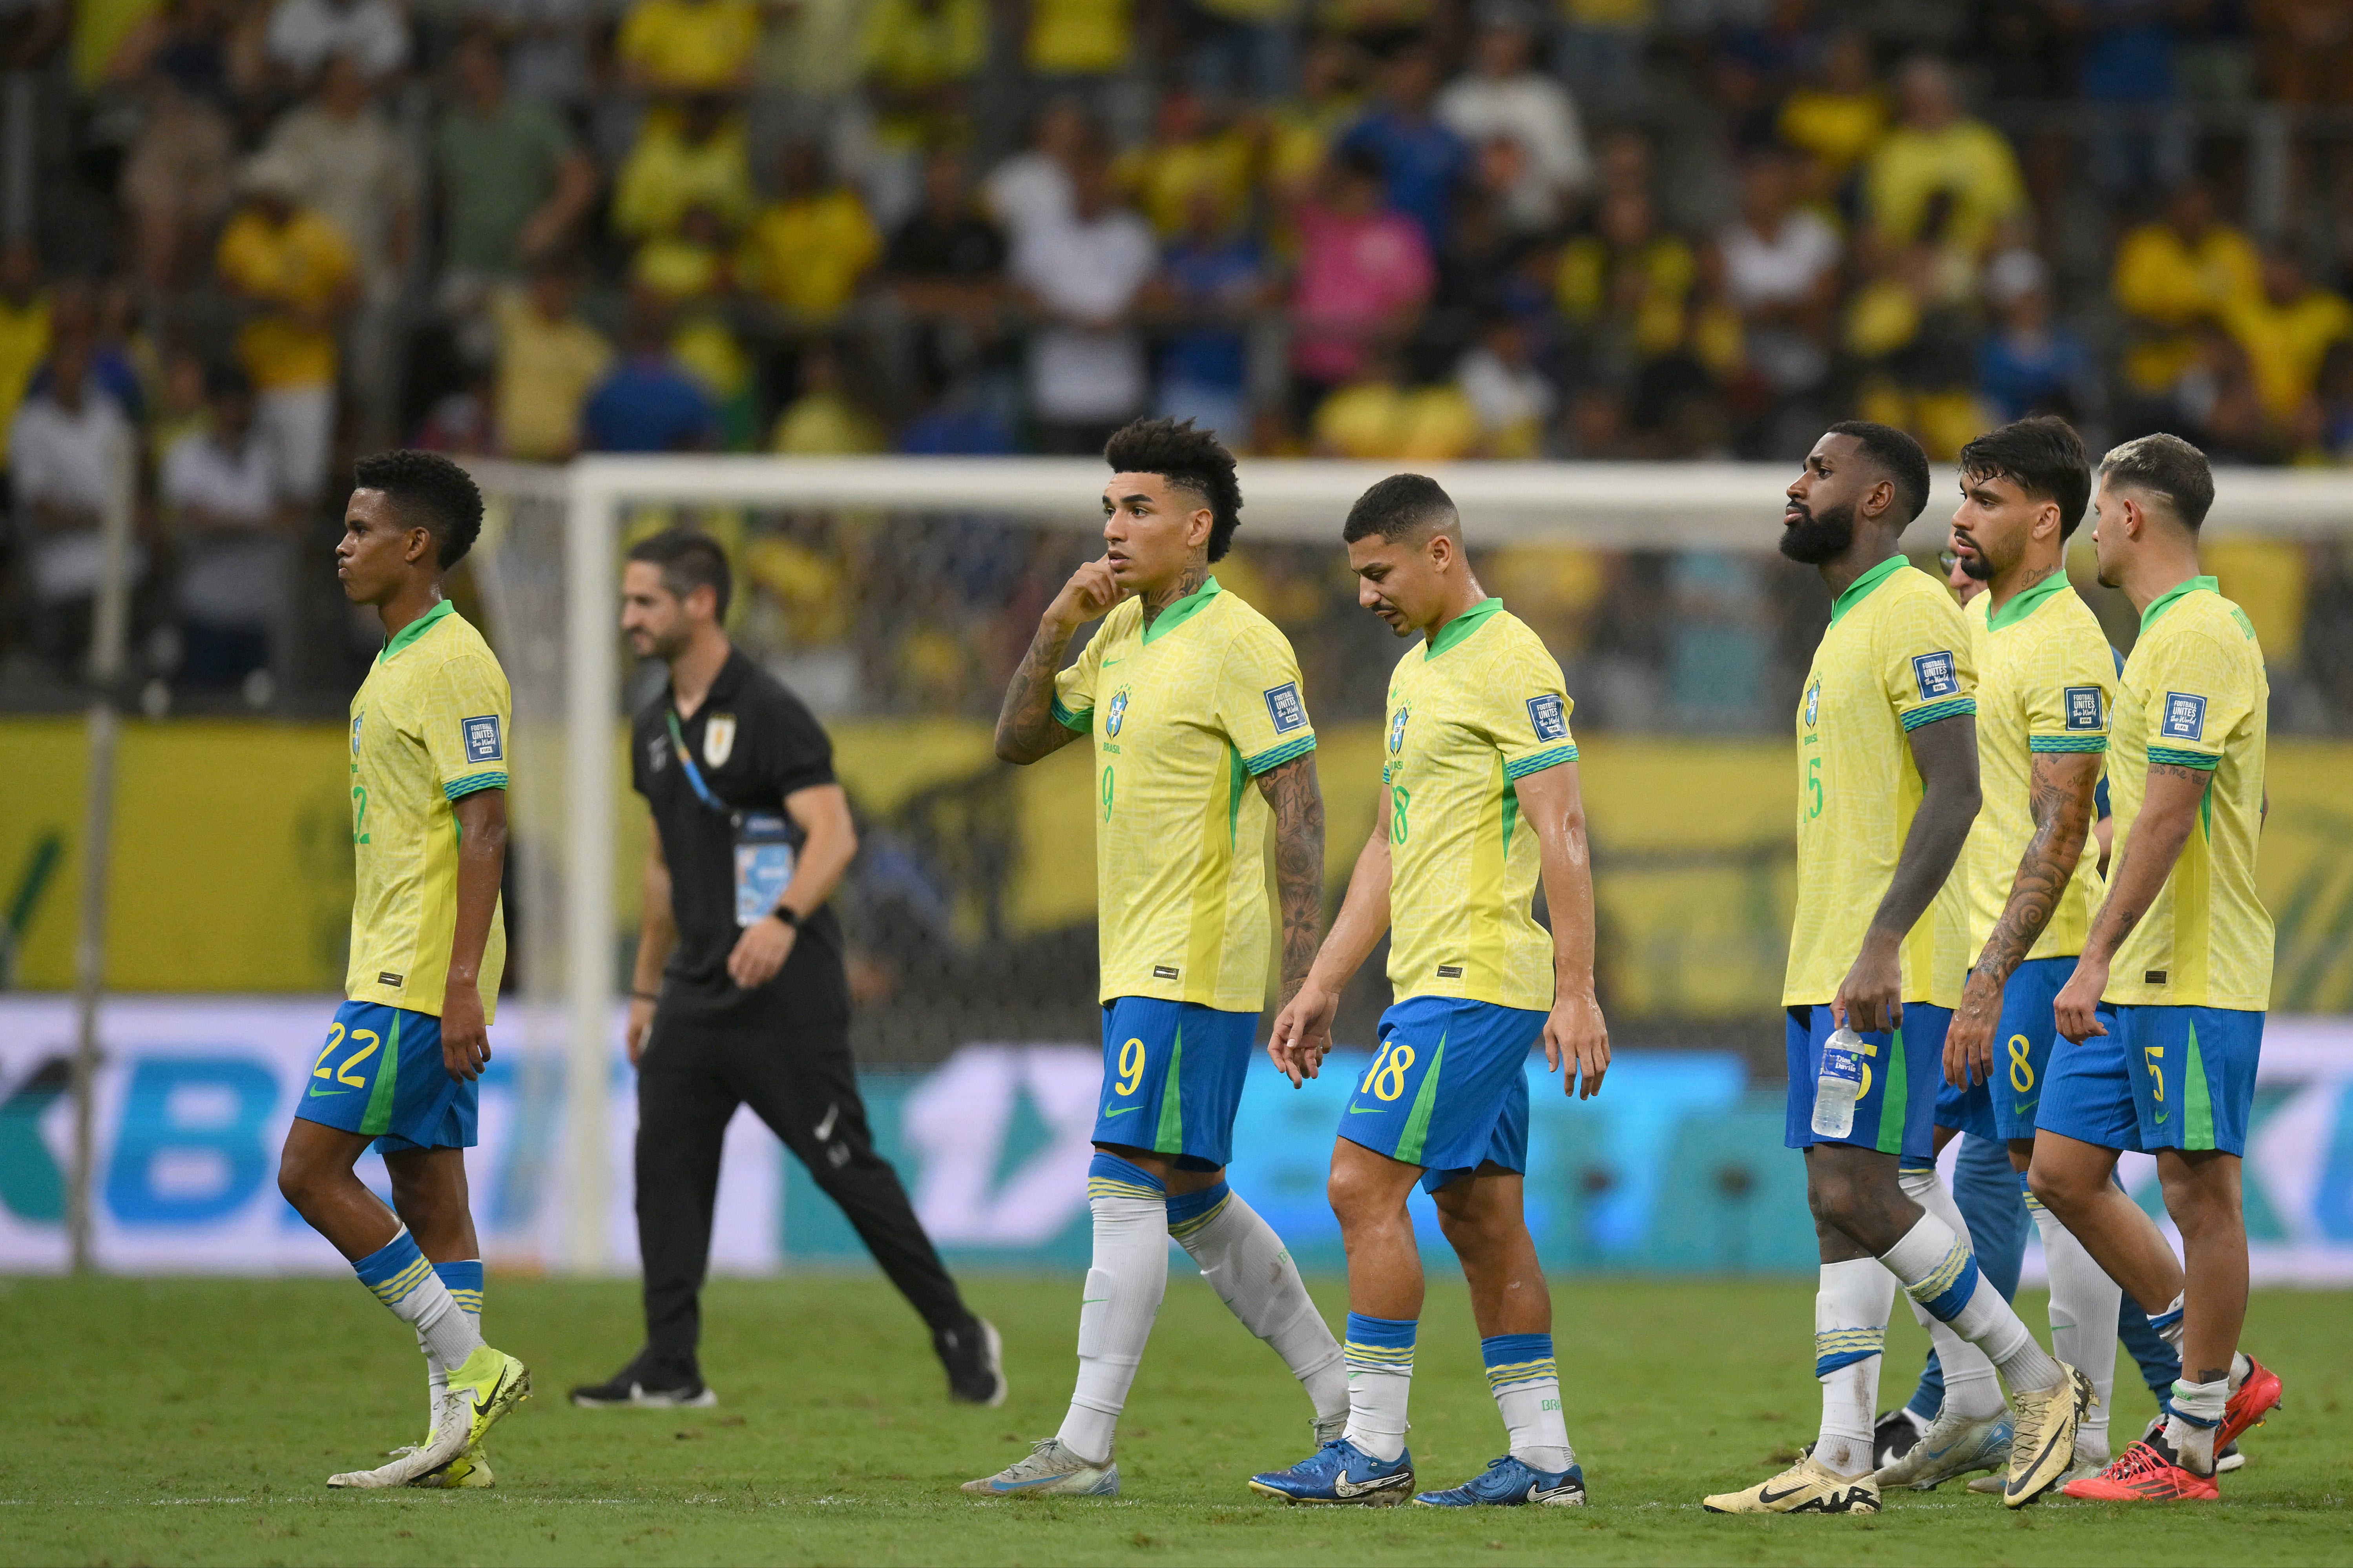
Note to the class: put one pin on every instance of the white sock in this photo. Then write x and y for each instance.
(2168, 1324)
(1527, 1385)
(464, 1282)
(1940, 1272)
(1971, 1390)
(1129, 1275)
(1851, 1308)
(2196, 1412)
(397, 1275)
(1380, 1379)
(2084, 1305)
(1246, 1263)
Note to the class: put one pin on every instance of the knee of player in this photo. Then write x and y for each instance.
(2052, 1188)
(298, 1178)
(1830, 1195)
(1354, 1200)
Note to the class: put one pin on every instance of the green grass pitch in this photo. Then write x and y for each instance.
(196, 1421)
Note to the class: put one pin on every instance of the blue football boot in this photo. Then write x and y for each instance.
(1340, 1472)
(1508, 1483)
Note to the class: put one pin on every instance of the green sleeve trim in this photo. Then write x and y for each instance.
(2066, 742)
(1539, 761)
(1950, 707)
(458, 788)
(1082, 720)
(2169, 757)
(1274, 757)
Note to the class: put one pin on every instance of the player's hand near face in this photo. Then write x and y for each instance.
(1576, 1033)
(1870, 1000)
(2077, 1008)
(1968, 1044)
(1303, 1031)
(465, 1039)
(1088, 596)
(759, 953)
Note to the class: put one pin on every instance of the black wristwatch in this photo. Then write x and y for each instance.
(786, 913)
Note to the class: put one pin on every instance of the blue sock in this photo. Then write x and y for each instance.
(464, 1279)
(1108, 1176)
(395, 1271)
(1188, 1212)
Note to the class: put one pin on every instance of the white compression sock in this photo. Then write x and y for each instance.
(1940, 1273)
(1129, 1275)
(1525, 1381)
(2197, 1413)
(1850, 1308)
(2084, 1305)
(463, 1280)
(397, 1275)
(1380, 1380)
(1971, 1390)
(1246, 1263)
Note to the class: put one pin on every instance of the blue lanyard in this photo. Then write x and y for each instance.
(694, 774)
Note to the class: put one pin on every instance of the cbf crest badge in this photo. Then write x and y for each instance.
(718, 740)
(1396, 729)
(355, 731)
(1813, 703)
(1116, 714)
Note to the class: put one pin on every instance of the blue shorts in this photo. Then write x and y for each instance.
(2194, 1073)
(380, 1074)
(1172, 1079)
(2002, 1107)
(2087, 1094)
(1897, 1113)
(1447, 1091)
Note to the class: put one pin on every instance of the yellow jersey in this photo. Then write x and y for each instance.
(1472, 712)
(2194, 695)
(303, 263)
(1897, 656)
(2046, 683)
(1185, 714)
(428, 727)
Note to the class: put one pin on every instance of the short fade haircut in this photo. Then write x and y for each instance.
(1189, 458)
(688, 559)
(1899, 458)
(2167, 465)
(2042, 457)
(1400, 505)
(429, 491)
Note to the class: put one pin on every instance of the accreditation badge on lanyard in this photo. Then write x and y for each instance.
(762, 847)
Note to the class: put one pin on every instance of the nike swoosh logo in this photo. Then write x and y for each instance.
(1122, 1111)
(2022, 1107)
(2161, 1116)
(1343, 1487)
(1764, 1496)
(1109, 662)
(1021, 1486)
(825, 1129)
(323, 1093)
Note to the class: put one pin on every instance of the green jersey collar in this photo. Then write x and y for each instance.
(1183, 610)
(2166, 600)
(414, 629)
(1461, 627)
(1860, 589)
(2025, 602)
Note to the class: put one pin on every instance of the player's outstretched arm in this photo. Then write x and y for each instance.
(1946, 753)
(1290, 788)
(1027, 728)
(2060, 790)
(656, 936)
(1303, 1030)
(1553, 803)
(2168, 812)
(482, 866)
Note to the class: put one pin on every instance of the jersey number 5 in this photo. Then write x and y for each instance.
(1814, 788)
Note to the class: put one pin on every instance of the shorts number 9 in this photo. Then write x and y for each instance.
(1130, 1067)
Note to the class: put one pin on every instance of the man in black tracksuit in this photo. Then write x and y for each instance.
(740, 996)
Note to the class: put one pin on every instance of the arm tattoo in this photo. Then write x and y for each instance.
(2060, 795)
(1026, 726)
(1289, 789)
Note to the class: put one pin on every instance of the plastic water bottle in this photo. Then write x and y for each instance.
(1839, 1085)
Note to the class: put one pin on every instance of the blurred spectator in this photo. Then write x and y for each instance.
(346, 163)
(2125, 66)
(296, 275)
(1211, 281)
(1077, 37)
(1421, 160)
(1780, 271)
(1081, 279)
(304, 34)
(1365, 272)
(808, 251)
(824, 421)
(694, 261)
(1302, 129)
(2286, 327)
(30, 32)
(24, 331)
(219, 487)
(2332, 435)
(1512, 399)
(1381, 416)
(68, 447)
(1601, 46)
(1188, 153)
(1505, 97)
(648, 403)
(693, 155)
(1839, 119)
(177, 182)
(955, 424)
(514, 184)
(688, 46)
(1628, 284)
(1031, 189)
(947, 261)
(2031, 363)
(918, 55)
(2172, 275)
(1239, 47)
(548, 361)
(1936, 150)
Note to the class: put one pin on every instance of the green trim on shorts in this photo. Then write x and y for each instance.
(378, 1120)
(1896, 1100)
(1425, 1104)
(1169, 1137)
(2196, 1100)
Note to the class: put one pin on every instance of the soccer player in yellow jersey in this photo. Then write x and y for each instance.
(1887, 787)
(428, 775)
(1479, 797)
(2165, 1005)
(1200, 733)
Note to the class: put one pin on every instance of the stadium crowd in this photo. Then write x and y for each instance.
(264, 235)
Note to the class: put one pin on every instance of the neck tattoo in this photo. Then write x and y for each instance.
(1187, 582)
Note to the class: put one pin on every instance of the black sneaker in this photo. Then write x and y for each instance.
(973, 1356)
(1892, 1437)
(628, 1389)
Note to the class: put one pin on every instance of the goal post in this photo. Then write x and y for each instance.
(550, 569)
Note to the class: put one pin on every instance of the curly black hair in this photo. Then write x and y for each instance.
(431, 492)
(1187, 458)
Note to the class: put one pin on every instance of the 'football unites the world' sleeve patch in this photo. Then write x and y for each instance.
(2081, 706)
(1283, 708)
(1549, 716)
(482, 739)
(2185, 717)
(1934, 674)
